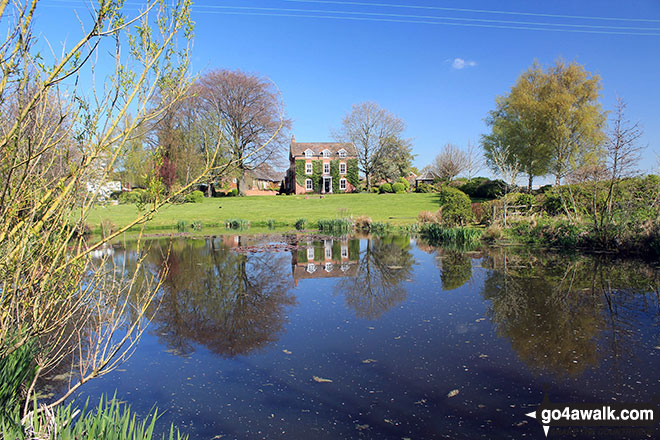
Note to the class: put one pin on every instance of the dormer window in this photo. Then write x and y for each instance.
(325, 153)
(309, 153)
(342, 153)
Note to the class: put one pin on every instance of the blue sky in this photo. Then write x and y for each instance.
(324, 65)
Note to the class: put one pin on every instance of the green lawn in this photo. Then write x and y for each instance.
(397, 209)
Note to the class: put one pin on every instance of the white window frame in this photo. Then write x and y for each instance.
(328, 253)
(325, 153)
(342, 184)
(326, 168)
(311, 268)
(309, 168)
(342, 167)
(309, 185)
(342, 153)
(344, 251)
(309, 153)
(328, 267)
(310, 254)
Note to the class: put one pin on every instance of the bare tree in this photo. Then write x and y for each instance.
(450, 162)
(374, 131)
(248, 112)
(474, 160)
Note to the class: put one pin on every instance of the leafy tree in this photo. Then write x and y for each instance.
(551, 121)
(398, 158)
(378, 137)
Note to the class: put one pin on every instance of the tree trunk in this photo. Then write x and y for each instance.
(368, 179)
(529, 184)
(240, 182)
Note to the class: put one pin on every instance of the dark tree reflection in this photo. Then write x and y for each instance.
(558, 311)
(376, 286)
(455, 268)
(232, 303)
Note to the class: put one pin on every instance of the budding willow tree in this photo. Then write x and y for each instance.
(57, 136)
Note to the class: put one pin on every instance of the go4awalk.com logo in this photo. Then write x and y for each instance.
(623, 415)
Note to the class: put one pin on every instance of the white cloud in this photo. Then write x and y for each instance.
(460, 63)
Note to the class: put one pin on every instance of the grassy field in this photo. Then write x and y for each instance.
(397, 209)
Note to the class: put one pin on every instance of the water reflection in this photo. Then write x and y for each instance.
(561, 313)
(232, 303)
(377, 285)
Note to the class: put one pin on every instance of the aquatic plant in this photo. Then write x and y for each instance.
(237, 223)
(301, 223)
(335, 225)
(437, 234)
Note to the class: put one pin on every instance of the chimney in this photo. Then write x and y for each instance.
(293, 138)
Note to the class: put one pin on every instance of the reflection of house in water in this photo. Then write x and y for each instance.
(325, 259)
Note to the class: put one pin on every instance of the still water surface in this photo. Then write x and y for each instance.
(303, 337)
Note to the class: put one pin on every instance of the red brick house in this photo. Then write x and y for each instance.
(322, 168)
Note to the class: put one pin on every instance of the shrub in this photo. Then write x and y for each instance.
(379, 227)
(492, 233)
(424, 188)
(470, 187)
(232, 193)
(270, 223)
(375, 189)
(181, 225)
(398, 188)
(107, 227)
(301, 223)
(427, 217)
(363, 223)
(456, 206)
(385, 188)
(196, 225)
(525, 199)
(194, 197)
(404, 182)
(136, 196)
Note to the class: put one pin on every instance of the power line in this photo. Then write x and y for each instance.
(433, 17)
(479, 11)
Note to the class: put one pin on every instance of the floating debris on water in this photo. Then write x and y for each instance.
(452, 393)
(321, 379)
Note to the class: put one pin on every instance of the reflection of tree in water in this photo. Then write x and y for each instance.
(455, 268)
(382, 266)
(231, 303)
(554, 309)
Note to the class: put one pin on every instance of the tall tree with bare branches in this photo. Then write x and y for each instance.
(375, 132)
(450, 162)
(248, 113)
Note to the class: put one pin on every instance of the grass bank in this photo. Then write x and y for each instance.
(396, 209)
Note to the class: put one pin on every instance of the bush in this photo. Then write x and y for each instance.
(404, 182)
(270, 223)
(427, 217)
(398, 188)
(385, 188)
(232, 193)
(363, 223)
(181, 225)
(196, 225)
(424, 188)
(437, 234)
(456, 206)
(374, 189)
(194, 197)
(483, 188)
(492, 233)
(301, 223)
(135, 196)
(470, 187)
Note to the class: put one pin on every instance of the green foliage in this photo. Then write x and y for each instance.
(110, 420)
(334, 173)
(484, 188)
(232, 193)
(270, 223)
(335, 225)
(436, 234)
(237, 223)
(424, 188)
(456, 206)
(352, 173)
(196, 225)
(404, 182)
(194, 197)
(317, 172)
(300, 172)
(456, 269)
(385, 188)
(16, 371)
(525, 199)
(399, 188)
(181, 225)
(301, 223)
(136, 196)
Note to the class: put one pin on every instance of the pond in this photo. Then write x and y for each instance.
(300, 337)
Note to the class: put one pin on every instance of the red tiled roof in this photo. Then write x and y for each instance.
(299, 148)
